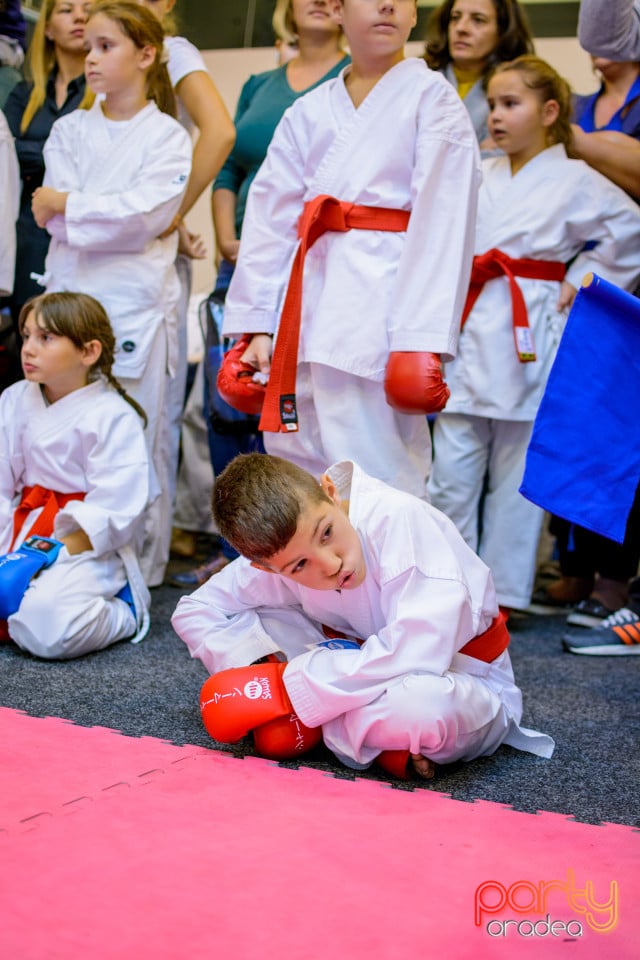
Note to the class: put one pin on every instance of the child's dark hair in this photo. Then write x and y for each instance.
(540, 76)
(257, 502)
(514, 35)
(80, 318)
(145, 30)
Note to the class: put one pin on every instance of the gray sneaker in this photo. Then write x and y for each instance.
(617, 635)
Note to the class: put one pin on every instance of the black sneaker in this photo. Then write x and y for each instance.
(588, 613)
(617, 635)
(543, 604)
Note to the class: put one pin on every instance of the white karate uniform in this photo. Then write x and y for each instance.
(125, 183)
(409, 146)
(184, 59)
(425, 595)
(90, 441)
(547, 211)
(9, 206)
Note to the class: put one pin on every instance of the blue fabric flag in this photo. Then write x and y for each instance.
(583, 461)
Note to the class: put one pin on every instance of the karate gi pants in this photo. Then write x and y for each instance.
(150, 391)
(344, 417)
(475, 478)
(195, 475)
(70, 609)
(467, 712)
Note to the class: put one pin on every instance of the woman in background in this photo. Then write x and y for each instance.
(466, 39)
(55, 66)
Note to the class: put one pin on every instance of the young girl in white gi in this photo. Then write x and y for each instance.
(73, 466)
(381, 300)
(115, 177)
(537, 209)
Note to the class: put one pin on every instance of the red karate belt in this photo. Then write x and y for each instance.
(319, 216)
(486, 646)
(494, 263)
(489, 645)
(50, 500)
(32, 498)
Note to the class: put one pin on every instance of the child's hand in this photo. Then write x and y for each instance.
(190, 244)
(47, 203)
(76, 542)
(567, 296)
(258, 353)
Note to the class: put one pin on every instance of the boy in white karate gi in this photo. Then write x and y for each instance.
(376, 172)
(423, 674)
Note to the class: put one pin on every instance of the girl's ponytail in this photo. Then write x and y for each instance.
(115, 383)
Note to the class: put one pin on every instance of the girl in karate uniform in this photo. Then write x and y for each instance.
(537, 210)
(73, 467)
(115, 178)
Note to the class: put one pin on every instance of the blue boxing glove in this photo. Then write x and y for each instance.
(19, 566)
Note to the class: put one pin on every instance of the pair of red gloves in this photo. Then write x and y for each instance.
(413, 382)
(254, 699)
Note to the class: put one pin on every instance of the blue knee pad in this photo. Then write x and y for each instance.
(19, 566)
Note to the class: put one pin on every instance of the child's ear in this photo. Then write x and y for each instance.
(91, 352)
(261, 566)
(147, 55)
(329, 488)
(550, 112)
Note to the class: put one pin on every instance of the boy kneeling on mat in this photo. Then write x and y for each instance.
(356, 614)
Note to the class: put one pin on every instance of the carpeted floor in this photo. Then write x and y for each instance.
(588, 704)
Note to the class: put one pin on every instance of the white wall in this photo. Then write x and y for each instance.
(230, 69)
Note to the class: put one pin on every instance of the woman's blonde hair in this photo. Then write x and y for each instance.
(145, 30)
(80, 318)
(41, 60)
(538, 75)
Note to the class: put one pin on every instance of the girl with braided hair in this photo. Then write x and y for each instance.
(74, 482)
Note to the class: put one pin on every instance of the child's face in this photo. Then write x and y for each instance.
(472, 33)
(518, 119)
(325, 552)
(113, 63)
(54, 361)
(375, 27)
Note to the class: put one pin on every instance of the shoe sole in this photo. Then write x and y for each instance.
(607, 650)
(584, 620)
(545, 610)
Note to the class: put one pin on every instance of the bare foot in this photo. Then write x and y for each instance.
(423, 767)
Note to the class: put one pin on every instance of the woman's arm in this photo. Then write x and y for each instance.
(223, 211)
(615, 155)
(216, 133)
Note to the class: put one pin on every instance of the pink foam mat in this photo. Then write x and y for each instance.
(116, 847)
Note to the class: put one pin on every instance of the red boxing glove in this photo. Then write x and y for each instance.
(235, 380)
(235, 701)
(285, 738)
(413, 383)
(395, 762)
